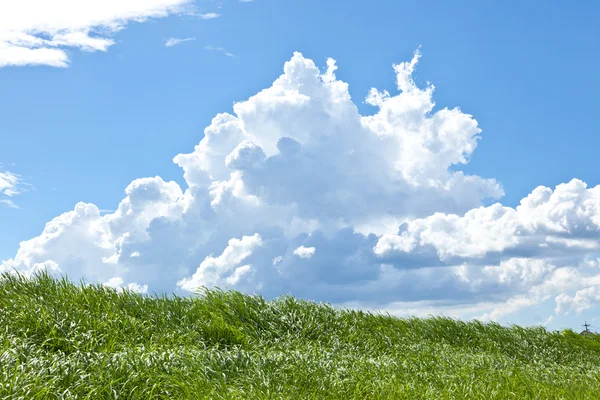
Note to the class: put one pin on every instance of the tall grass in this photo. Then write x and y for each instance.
(59, 340)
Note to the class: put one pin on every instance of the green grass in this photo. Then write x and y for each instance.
(61, 340)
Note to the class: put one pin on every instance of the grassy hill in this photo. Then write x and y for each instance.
(61, 340)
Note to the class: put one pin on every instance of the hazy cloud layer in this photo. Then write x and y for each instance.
(296, 192)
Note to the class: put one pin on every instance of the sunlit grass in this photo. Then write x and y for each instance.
(61, 340)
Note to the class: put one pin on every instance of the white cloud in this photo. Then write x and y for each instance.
(40, 32)
(277, 260)
(511, 306)
(566, 218)
(117, 283)
(548, 320)
(305, 252)
(220, 50)
(396, 222)
(582, 300)
(212, 270)
(234, 278)
(210, 15)
(9, 203)
(11, 185)
(422, 309)
(174, 41)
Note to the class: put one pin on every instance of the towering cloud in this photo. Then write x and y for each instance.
(296, 192)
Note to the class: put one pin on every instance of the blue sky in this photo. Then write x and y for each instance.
(527, 73)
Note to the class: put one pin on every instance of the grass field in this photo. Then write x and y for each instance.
(61, 340)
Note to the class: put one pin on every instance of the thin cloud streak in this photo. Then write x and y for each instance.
(175, 41)
(219, 49)
(9, 203)
(210, 15)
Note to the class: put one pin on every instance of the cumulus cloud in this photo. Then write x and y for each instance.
(546, 220)
(214, 270)
(297, 192)
(39, 32)
(582, 300)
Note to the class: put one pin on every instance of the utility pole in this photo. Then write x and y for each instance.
(586, 326)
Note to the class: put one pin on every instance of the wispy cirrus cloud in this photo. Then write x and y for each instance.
(175, 41)
(41, 32)
(220, 50)
(11, 184)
